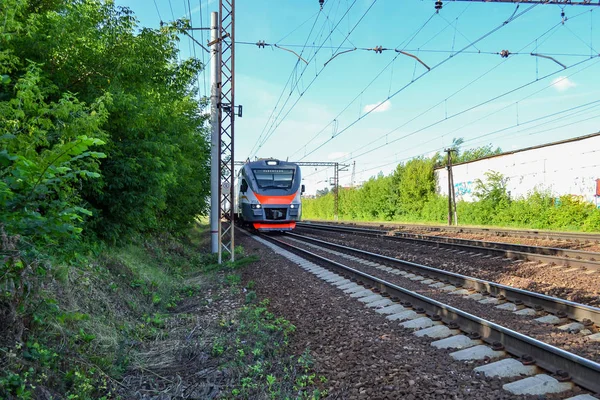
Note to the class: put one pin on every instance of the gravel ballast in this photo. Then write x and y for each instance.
(364, 355)
(572, 342)
(580, 286)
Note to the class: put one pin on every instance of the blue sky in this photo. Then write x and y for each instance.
(476, 94)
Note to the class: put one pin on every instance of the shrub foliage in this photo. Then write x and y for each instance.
(102, 139)
(409, 194)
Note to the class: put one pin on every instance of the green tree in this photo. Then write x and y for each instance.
(413, 183)
(155, 175)
(461, 156)
(46, 156)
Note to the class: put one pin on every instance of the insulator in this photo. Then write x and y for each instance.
(438, 5)
(504, 53)
(321, 2)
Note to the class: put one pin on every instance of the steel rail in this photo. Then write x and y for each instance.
(551, 304)
(532, 233)
(552, 255)
(584, 372)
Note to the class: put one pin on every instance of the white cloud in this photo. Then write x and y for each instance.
(563, 83)
(336, 155)
(386, 105)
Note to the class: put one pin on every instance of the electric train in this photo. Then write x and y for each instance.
(268, 195)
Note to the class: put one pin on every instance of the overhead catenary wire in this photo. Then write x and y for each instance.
(472, 108)
(564, 54)
(595, 103)
(262, 43)
(591, 107)
(274, 124)
(553, 83)
(439, 149)
(266, 128)
(203, 55)
(158, 12)
(252, 151)
(194, 46)
(405, 42)
(513, 17)
(549, 32)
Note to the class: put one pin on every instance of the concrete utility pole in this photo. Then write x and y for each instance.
(215, 217)
(451, 194)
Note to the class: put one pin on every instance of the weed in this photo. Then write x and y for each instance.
(256, 343)
(233, 279)
(250, 296)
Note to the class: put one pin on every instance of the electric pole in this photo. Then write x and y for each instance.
(451, 195)
(222, 134)
(336, 194)
(215, 218)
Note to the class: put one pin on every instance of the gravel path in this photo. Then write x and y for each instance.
(572, 342)
(581, 286)
(364, 355)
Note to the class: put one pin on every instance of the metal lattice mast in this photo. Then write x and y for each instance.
(226, 88)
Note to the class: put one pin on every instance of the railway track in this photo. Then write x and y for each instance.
(580, 237)
(550, 255)
(448, 321)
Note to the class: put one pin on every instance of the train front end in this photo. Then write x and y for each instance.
(269, 195)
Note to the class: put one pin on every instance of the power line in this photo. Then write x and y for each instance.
(593, 105)
(158, 12)
(474, 107)
(512, 18)
(194, 47)
(202, 40)
(274, 127)
(252, 152)
(261, 44)
(551, 30)
(410, 39)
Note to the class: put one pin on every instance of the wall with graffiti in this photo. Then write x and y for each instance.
(563, 168)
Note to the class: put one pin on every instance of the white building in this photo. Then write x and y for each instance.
(568, 167)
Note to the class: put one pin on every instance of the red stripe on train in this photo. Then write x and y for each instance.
(262, 225)
(265, 199)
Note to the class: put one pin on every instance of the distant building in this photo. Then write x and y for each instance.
(567, 167)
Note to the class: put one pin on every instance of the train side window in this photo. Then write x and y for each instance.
(244, 186)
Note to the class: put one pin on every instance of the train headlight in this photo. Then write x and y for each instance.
(292, 206)
(256, 206)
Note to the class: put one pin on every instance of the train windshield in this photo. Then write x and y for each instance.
(274, 178)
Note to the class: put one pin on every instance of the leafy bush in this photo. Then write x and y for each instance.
(408, 195)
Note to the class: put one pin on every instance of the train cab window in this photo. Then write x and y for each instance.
(274, 178)
(244, 186)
